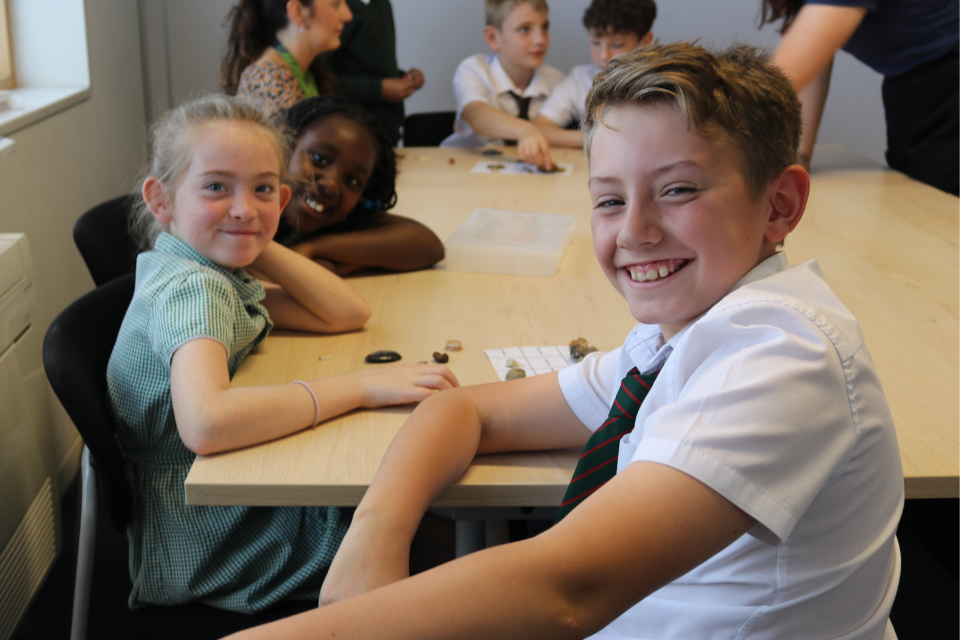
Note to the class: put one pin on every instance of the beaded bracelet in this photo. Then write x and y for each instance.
(316, 403)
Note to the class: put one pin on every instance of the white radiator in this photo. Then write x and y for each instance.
(29, 498)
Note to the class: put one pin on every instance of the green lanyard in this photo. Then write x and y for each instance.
(306, 80)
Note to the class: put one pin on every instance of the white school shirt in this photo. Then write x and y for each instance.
(565, 106)
(481, 78)
(771, 399)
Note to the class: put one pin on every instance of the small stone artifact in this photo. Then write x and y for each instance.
(378, 357)
(492, 152)
(496, 167)
(513, 364)
(440, 357)
(515, 373)
(452, 160)
(453, 345)
(553, 169)
(579, 348)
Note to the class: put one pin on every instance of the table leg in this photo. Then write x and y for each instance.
(471, 536)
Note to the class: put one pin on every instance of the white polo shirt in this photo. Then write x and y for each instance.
(565, 106)
(771, 399)
(481, 78)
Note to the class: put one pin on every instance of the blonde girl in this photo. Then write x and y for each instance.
(211, 203)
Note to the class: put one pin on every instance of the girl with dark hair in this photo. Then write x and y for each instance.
(343, 173)
(912, 43)
(273, 46)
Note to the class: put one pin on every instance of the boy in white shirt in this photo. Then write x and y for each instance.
(757, 484)
(499, 95)
(615, 27)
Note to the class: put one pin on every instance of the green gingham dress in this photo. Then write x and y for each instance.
(237, 558)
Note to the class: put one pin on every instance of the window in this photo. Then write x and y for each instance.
(6, 58)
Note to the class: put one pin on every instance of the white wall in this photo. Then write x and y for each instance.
(434, 35)
(67, 163)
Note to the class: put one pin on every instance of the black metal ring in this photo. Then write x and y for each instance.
(379, 357)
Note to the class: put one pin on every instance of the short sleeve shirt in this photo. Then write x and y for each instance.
(771, 399)
(565, 106)
(481, 78)
(897, 35)
(237, 558)
(270, 85)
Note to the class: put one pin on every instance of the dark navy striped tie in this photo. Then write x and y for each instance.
(598, 462)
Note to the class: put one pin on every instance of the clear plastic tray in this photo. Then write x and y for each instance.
(510, 242)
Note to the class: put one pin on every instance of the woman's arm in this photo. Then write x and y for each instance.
(380, 240)
(805, 55)
(430, 452)
(306, 296)
(212, 416)
(557, 135)
(647, 526)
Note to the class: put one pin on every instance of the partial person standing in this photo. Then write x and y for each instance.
(365, 65)
(273, 47)
(912, 43)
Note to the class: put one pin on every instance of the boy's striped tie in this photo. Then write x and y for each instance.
(598, 462)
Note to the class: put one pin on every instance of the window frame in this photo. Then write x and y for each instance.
(7, 78)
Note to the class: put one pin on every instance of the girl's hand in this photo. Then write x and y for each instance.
(403, 383)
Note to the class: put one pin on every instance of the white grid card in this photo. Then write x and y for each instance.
(533, 360)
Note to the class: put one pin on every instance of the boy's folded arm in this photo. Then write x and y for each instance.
(380, 240)
(434, 447)
(649, 525)
(307, 296)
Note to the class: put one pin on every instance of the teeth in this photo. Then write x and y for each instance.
(313, 204)
(652, 273)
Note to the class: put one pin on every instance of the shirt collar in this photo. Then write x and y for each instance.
(502, 83)
(645, 344)
(249, 288)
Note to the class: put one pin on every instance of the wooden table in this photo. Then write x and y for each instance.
(887, 245)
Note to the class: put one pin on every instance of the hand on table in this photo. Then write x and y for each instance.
(403, 383)
(533, 148)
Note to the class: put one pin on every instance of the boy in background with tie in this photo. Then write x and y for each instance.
(615, 27)
(740, 474)
(498, 95)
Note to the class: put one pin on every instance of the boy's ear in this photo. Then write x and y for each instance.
(788, 199)
(492, 35)
(646, 40)
(155, 195)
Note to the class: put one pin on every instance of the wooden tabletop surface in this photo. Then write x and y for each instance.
(887, 245)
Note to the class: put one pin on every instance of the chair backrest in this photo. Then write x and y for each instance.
(102, 235)
(76, 350)
(427, 129)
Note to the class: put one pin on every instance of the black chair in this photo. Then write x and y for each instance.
(102, 235)
(76, 350)
(427, 129)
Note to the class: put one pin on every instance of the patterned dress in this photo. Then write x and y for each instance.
(270, 85)
(236, 558)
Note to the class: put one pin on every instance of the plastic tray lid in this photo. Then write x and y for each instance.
(514, 230)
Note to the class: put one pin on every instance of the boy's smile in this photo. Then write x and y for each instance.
(674, 223)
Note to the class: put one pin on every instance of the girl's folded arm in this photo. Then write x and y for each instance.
(306, 296)
(212, 416)
(380, 240)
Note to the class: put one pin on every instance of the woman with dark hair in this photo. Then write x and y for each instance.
(912, 43)
(343, 174)
(273, 46)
